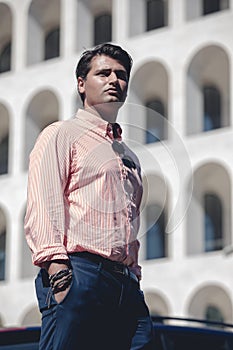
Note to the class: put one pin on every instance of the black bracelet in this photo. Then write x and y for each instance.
(59, 275)
(62, 285)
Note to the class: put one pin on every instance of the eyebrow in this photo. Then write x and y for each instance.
(102, 70)
(107, 70)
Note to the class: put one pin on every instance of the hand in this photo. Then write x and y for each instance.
(61, 295)
(53, 268)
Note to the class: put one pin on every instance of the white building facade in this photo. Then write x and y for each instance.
(183, 58)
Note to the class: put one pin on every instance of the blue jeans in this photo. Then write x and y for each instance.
(102, 310)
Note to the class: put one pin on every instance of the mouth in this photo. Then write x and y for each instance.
(114, 92)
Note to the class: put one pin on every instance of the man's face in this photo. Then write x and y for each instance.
(107, 81)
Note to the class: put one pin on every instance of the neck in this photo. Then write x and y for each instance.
(106, 111)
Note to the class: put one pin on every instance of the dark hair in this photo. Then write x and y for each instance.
(113, 51)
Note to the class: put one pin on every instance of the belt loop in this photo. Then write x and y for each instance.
(127, 272)
(100, 266)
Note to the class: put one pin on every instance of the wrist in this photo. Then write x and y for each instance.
(60, 280)
(54, 266)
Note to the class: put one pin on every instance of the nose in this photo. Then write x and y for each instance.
(113, 78)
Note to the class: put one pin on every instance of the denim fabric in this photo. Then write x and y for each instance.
(101, 311)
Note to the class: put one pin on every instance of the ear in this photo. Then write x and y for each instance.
(81, 85)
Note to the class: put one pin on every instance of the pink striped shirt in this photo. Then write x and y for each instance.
(81, 197)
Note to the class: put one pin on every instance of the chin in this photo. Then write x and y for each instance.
(109, 107)
(114, 99)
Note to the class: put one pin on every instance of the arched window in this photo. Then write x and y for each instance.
(213, 313)
(155, 236)
(155, 128)
(103, 28)
(43, 32)
(5, 58)
(156, 13)
(213, 222)
(4, 139)
(212, 108)
(52, 44)
(32, 317)
(208, 105)
(2, 245)
(42, 111)
(4, 145)
(2, 254)
(27, 269)
(210, 6)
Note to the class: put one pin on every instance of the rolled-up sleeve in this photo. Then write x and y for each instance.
(45, 220)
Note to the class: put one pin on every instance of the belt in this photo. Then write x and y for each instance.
(108, 265)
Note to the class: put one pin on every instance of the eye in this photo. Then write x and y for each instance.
(122, 75)
(104, 73)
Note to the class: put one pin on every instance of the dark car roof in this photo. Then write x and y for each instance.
(191, 334)
(171, 333)
(193, 324)
(22, 338)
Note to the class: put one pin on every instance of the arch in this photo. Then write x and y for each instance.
(209, 67)
(157, 303)
(5, 37)
(97, 15)
(153, 88)
(43, 19)
(207, 295)
(213, 179)
(4, 139)
(42, 110)
(31, 317)
(3, 237)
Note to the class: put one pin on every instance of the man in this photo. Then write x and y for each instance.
(82, 220)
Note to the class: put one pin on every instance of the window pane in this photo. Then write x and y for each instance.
(4, 156)
(213, 314)
(155, 122)
(213, 223)
(155, 14)
(52, 44)
(155, 239)
(212, 108)
(210, 6)
(5, 58)
(2, 254)
(103, 29)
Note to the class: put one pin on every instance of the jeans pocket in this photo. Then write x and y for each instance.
(43, 291)
(66, 296)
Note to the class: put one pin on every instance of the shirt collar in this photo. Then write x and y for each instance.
(112, 130)
(91, 118)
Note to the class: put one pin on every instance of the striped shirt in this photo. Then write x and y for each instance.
(81, 197)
